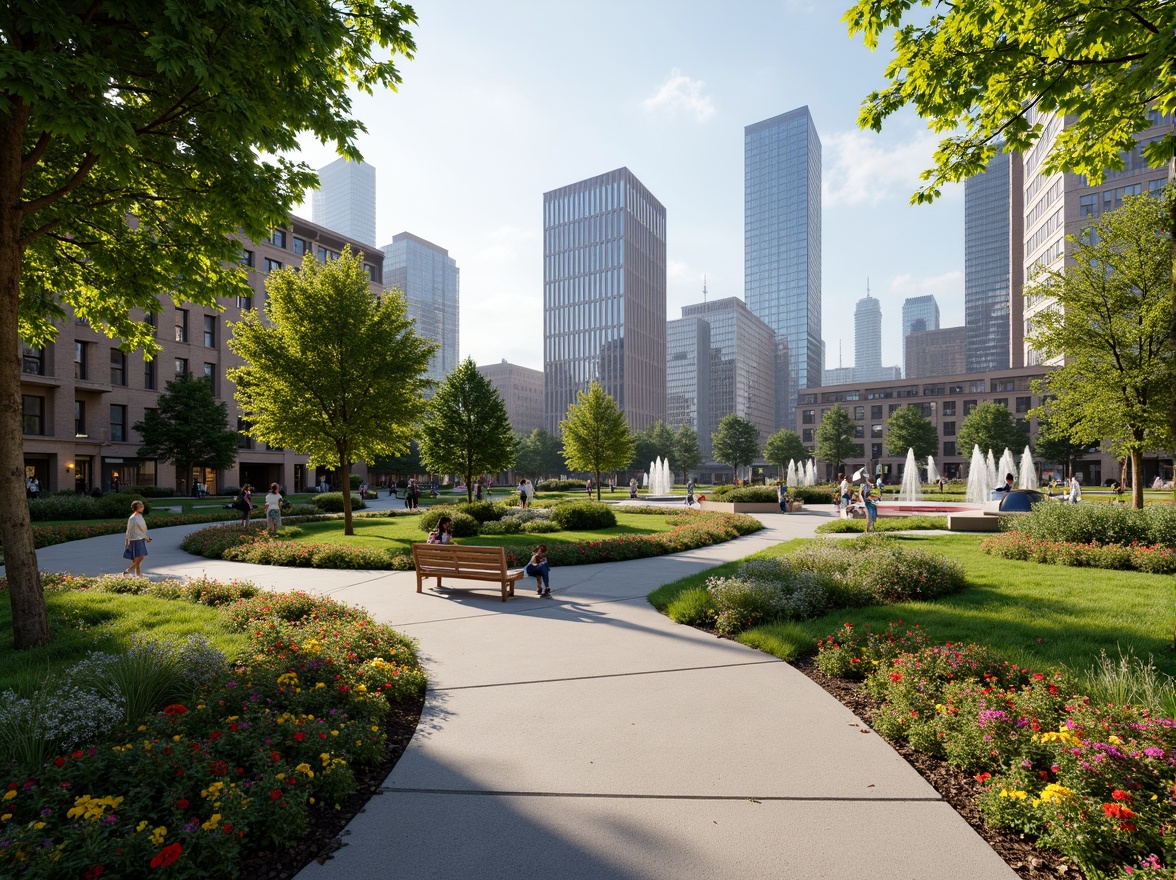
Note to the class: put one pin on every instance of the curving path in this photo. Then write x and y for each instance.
(588, 736)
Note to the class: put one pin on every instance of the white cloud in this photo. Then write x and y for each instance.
(680, 93)
(864, 171)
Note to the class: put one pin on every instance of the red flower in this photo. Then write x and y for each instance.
(59, 762)
(1037, 676)
(1120, 795)
(299, 736)
(896, 676)
(275, 794)
(94, 873)
(983, 777)
(218, 768)
(167, 856)
(182, 804)
(1118, 811)
(175, 709)
(216, 734)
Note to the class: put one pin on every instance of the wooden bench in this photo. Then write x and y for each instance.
(464, 562)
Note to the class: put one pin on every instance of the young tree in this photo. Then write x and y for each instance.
(736, 442)
(176, 113)
(1054, 442)
(334, 371)
(466, 429)
(835, 438)
(189, 427)
(991, 427)
(537, 454)
(656, 441)
(784, 446)
(907, 429)
(596, 436)
(1109, 317)
(687, 453)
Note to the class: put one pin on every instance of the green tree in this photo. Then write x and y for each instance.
(466, 429)
(835, 438)
(1108, 316)
(538, 454)
(189, 427)
(334, 371)
(176, 113)
(687, 453)
(1054, 442)
(656, 441)
(596, 436)
(991, 427)
(407, 463)
(907, 429)
(784, 446)
(736, 442)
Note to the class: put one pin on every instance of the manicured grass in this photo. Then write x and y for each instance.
(1031, 614)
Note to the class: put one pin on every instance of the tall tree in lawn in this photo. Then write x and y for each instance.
(782, 447)
(835, 438)
(176, 113)
(736, 442)
(404, 464)
(189, 427)
(596, 435)
(907, 429)
(1110, 319)
(333, 371)
(1054, 441)
(466, 430)
(656, 441)
(976, 68)
(991, 427)
(687, 453)
(537, 454)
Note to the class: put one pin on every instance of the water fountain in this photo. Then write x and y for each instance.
(977, 477)
(790, 478)
(932, 471)
(1007, 466)
(660, 481)
(994, 479)
(1028, 472)
(911, 490)
(667, 477)
(810, 473)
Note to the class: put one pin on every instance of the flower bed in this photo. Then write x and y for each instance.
(1153, 559)
(237, 767)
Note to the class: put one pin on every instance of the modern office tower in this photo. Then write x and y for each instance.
(994, 240)
(346, 200)
(867, 339)
(521, 390)
(919, 313)
(604, 297)
(782, 247)
(837, 376)
(1063, 204)
(429, 279)
(936, 352)
(688, 362)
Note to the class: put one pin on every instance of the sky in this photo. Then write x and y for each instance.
(505, 101)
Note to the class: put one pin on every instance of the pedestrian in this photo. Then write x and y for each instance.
(942, 484)
(782, 495)
(29, 487)
(273, 509)
(137, 538)
(690, 493)
(539, 569)
(588, 486)
(245, 505)
(1008, 484)
(870, 503)
(410, 494)
(878, 485)
(523, 493)
(632, 487)
(612, 485)
(478, 490)
(843, 492)
(1075, 488)
(443, 534)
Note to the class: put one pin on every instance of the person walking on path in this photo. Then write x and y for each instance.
(1075, 489)
(690, 493)
(245, 505)
(478, 490)
(843, 490)
(870, 503)
(137, 538)
(273, 510)
(540, 571)
(782, 496)
(632, 487)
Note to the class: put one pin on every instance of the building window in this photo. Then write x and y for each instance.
(875, 430)
(808, 417)
(80, 360)
(272, 265)
(79, 418)
(149, 375)
(1002, 401)
(806, 435)
(875, 450)
(118, 423)
(876, 411)
(245, 302)
(373, 273)
(969, 405)
(118, 367)
(949, 448)
(1024, 404)
(210, 375)
(32, 412)
(279, 238)
(894, 407)
(325, 254)
(859, 432)
(949, 429)
(151, 319)
(181, 366)
(949, 407)
(243, 440)
(210, 331)
(299, 245)
(246, 258)
(977, 386)
(181, 325)
(859, 413)
(33, 361)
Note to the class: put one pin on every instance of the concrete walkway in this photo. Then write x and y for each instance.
(587, 736)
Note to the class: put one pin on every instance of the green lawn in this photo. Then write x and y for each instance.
(1035, 615)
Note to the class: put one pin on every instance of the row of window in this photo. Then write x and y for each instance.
(947, 408)
(808, 437)
(33, 420)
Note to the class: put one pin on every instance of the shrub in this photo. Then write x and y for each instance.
(560, 485)
(539, 527)
(750, 495)
(354, 481)
(526, 514)
(462, 524)
(70, 505)
(812, 494)
(1136, 557)
(741, 603)
(507, 526)
(332, 502)
(854, 652)
(693, 607)
(1098, 524)
(482, 511)
(578, 516)
(231, 491)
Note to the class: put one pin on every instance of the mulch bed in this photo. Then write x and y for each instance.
(957, 788)
(325, 834)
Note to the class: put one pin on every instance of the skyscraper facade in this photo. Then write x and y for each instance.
(994, 235)
(919, 313)
(867, 339)
(430, 281)
(346, 200)
(688, 360)
(782, 247)
(521, 390)
(604, 296)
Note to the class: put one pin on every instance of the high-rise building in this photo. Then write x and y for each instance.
(429, 279)
(939, 352)
(994, 238)
(604, 296)
(688, 361)
(346, 200)
(919, 314)
(867, 339)
(782, 247)
(521, 390)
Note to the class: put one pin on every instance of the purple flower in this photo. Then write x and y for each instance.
(1153, 752)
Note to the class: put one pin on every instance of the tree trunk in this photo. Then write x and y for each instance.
(1136, 482)
(597, 475)
(345, 469)
(1172, 232)
(30, 624)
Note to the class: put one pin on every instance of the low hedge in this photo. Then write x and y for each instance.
(582, 516)
(1154, 525)
(332, 502)
(559, 485)
(69, 505)
(748, 495)
(1148, 558)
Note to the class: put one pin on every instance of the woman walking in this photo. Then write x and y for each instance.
(273, 509)
(136, 549)
(245, 505)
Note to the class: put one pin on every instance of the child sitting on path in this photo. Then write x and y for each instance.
(539, 570)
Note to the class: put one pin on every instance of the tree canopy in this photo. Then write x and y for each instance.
(466, 429)
(179, 115)
(835, 438)
(538, 455)
(656, 441)
(1054, 443)
(736, 442)
(1109, 316)
(333, 371)
(991, 427)
(784, 446)
(687, 453)
(596, 436)
(907, 429)
(188, 427)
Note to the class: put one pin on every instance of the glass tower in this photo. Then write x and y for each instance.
(345, 201)
(429, 279)
(919, 313)
(867, 340)
(604, 297)
(782, 247)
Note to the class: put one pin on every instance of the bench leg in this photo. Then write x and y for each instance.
(505, 589)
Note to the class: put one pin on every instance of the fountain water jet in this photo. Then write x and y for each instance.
(1028, 473)
(810, 473)
(932, 471)
(790, 478)
(911, 490)
(993, 479)
(977, 477)
(660, 480)
(1008, 465)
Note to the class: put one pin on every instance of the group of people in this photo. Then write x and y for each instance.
(32, 487)
(412, 495)
(538, 567)
(864, 498)
(526, 492)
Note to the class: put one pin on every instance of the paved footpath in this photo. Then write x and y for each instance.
(587, 736)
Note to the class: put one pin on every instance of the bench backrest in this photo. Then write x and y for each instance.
(459, 557)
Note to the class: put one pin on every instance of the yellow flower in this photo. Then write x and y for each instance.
(288, 678)
(319, 685)
(141, 825)
(1061, 736)
(212, 823)
(141, 727)
(159, 835)
(305, 768)
(5, 817)
(10, 794)
(1114, 740)
(1014, 794)
(38, 825)
(1054, 793)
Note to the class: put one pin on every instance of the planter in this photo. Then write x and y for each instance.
(795, 506)
(742, 506)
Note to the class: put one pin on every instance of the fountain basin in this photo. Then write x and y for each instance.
(929, 508)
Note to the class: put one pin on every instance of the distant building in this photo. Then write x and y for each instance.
(346, 200)
(782, 247)
(604, 297)
(521, 390)
(430, 281)
(837, 376)
(867, 337)
(936, 353)
(919, 313)
(688, 385)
